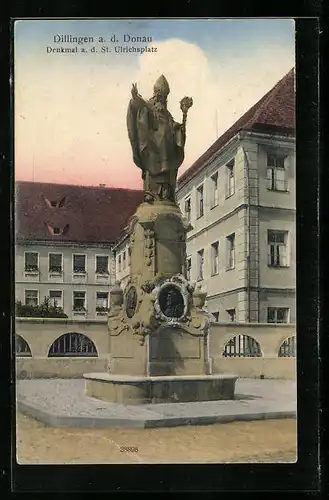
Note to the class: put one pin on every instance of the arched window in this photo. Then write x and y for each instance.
(73, 345)
(288, 348)
(242, 346)
(22, 347)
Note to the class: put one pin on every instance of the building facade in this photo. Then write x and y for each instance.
(64, 245)
(240, 199)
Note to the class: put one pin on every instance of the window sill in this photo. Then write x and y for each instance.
(278, 322)
(199, 279)
(31, 274)
(214, 274)
(79, 313)
(277, 267)
(199, 217)
(56, 277)
(79, 276)
(101, 276)
(279, 190)
(98, 313)
(214, 206)
(227, 196)
(230, 268)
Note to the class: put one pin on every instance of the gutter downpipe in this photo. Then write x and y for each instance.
(241, 136)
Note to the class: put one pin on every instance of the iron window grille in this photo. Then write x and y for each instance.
(288, 348)
(21, 347)
(242, 346)
(73, 345)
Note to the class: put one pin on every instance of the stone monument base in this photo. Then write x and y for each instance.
(130, 390)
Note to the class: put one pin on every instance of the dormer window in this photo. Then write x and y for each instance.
(55, 203)
(57, 231)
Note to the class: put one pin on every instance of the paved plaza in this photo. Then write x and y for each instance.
(63, 403)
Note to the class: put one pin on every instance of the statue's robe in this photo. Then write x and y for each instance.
(157, 141)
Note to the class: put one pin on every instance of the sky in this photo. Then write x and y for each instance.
(70, 108)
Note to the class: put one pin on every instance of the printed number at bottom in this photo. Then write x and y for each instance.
(131, 449)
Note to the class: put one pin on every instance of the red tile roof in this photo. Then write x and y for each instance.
(84, 215)
(275, 112)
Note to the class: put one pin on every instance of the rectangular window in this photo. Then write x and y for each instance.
(200, 201)
(214, 258)
(79, 301)
(230, 251)
(124, 260)
(187, 209)
(188, 268)
(276, 173)
(214, 190)
(277, 315)
(231, 314)
(31, 297)
(31, 261)
(56, 298)
(55, 263)
(79, 263)
(200, 264)
(277, 248)
(128, 255)
(119, 263)
(102, 300)
(230, 181)
(102, 264)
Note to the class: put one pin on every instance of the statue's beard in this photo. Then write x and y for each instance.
(159, 106)
(159, 101)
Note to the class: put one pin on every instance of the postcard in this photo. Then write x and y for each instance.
(155, 241)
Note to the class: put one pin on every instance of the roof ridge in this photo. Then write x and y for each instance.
(78, 185)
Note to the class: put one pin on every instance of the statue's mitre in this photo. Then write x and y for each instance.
(162, 85)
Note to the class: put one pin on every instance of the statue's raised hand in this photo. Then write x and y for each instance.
(134, 90)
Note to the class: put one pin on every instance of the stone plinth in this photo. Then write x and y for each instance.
(157, 241)
(130, 390)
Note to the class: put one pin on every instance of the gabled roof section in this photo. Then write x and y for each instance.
(61, 212)
(273, 113)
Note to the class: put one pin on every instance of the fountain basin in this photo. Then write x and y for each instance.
(128, 389)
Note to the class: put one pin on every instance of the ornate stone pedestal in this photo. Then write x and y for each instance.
(158, 327)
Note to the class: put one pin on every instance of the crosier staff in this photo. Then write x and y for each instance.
(185, 105)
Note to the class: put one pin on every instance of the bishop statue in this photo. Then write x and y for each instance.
(157, 141)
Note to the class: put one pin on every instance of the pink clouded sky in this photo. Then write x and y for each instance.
(70, 109)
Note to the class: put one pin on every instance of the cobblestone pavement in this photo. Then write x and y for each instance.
(63, 403)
